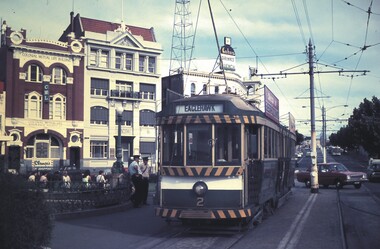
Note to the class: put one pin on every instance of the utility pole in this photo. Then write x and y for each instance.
(324, 132)
(314, 168)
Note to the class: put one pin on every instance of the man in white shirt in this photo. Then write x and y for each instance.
(144, 167)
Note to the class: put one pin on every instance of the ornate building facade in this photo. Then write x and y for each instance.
(63, 96)
(44, 87)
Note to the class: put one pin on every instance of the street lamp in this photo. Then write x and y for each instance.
(118, 165)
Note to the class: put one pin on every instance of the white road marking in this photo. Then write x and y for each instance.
(291, 238)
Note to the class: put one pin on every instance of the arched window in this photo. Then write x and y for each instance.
(57, 107)
(216, 89)
(59, 76)
(147, 118)
(192, 89)
(34, 73)
(33, 105)
(204, 89)
(44, 146)
(99, 115)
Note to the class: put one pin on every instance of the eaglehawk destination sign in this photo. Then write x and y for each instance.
(199, 108)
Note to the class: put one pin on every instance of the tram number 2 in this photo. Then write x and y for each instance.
(200, 202)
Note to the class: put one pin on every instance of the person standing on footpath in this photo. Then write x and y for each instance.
(135, 172)
(144, 167)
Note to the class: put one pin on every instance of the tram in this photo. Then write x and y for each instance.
(221, 158)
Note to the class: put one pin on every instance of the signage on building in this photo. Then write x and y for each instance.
(199, 108)
(46, 94)
(227, 54)
(42, 163)
(271, 105)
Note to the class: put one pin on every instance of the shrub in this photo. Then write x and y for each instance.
(24, 216)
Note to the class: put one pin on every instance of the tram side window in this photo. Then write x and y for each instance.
(252, 145)
(199, 145)
(173, 145)
(227, 144)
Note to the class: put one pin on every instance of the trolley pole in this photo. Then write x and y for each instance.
(314, 169)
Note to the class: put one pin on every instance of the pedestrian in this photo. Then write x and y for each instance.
(144, 167)
(66, 180)
(43, 180)
(32, 177)
(135, 172)
(86, 179)
(100, 180)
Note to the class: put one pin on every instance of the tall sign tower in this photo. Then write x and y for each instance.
(182, 38)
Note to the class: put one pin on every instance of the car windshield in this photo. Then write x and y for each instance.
(338, 167)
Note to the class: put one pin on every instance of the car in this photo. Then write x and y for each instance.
(373, 170)
(333, 173)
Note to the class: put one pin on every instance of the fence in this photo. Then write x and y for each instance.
(79, 196)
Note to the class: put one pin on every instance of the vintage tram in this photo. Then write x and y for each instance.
(221, 158)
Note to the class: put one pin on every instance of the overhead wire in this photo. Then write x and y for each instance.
(253, 50)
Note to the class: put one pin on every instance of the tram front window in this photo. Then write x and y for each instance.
(227, 145)
(173, 145)
(199, 145)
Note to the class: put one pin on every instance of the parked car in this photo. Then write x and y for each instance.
(373, 170)
(333, 173)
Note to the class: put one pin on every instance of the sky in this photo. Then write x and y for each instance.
(270, 35)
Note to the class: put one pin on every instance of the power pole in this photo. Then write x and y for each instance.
(314, 169)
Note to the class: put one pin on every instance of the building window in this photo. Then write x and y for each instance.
(118, 60)
(147, 118)
(129, 61)
(152, 65)
(99, 115)
(59, 76)
(57, 107)
(44, 146)
(93, 57)
(142, 63)
(34, 73)
(216, 89)
(147, 148)
(98, 149)
(126, 118)
(192, 90)
(204, 89)
(148, 91)
(33, 105)
(99, 87)
(103, 59)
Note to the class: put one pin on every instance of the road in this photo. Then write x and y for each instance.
(306, 220)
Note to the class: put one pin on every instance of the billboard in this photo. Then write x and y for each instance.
(271, 105)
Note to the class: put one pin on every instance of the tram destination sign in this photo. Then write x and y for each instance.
(199, 108)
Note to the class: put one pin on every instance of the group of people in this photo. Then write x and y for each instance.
(140, 177)
(64, 181)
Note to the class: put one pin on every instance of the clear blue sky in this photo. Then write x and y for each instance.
(271, 35)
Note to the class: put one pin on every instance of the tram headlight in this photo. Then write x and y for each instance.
(200, 188)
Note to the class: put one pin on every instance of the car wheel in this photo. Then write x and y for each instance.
(357, 186)
(308, 184)
(338, 184)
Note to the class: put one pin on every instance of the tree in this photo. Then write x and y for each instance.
(363, 128)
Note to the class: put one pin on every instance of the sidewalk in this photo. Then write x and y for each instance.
(306, 220)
